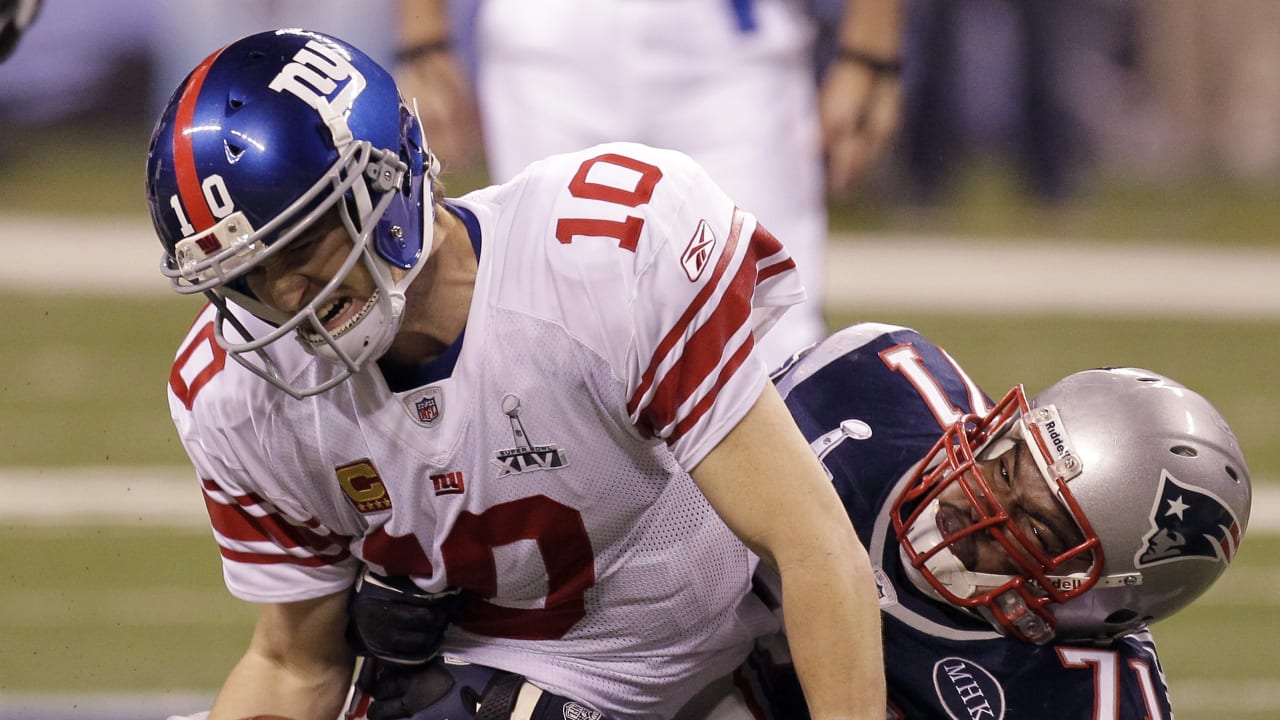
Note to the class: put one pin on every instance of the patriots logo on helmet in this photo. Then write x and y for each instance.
(1188, 523)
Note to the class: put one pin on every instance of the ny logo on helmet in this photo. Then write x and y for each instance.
(313, 76)
(1188, 523)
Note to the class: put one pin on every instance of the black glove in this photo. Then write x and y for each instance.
(396, 621)
(446, 689)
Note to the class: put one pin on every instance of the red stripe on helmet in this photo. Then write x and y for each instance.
(189, 190)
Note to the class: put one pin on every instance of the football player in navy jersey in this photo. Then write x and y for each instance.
(1021, 547)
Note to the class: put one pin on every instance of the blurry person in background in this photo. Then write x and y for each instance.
(731, 83)
(988, 78)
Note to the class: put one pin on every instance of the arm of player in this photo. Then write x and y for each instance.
(298, 663)
(770, 489)
(428, 71)
(860, 99)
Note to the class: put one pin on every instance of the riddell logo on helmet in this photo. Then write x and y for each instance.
(1055, 437)
(1063, 583)
(313, 77)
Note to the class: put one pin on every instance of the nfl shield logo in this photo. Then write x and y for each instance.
(425, 406)
(428, 410)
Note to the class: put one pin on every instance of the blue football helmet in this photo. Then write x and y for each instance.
(266, 137)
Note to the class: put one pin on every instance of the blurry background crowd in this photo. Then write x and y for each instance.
(1054, 96)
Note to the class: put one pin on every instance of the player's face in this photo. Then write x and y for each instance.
(287, 281)
(1018, 486)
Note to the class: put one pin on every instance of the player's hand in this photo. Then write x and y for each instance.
(427, 691)
(394, 620)
(859, 110)
(446, 105)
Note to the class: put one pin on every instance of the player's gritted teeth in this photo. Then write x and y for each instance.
(338, 317)
(336, 308)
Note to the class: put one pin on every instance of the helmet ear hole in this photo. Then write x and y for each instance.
(1184, 451)
(1120, 617)
(1232, 473)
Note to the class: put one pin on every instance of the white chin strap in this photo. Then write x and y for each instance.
(372, 334)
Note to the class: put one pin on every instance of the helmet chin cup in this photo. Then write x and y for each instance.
(375, 329)
(1017, 617)
(368, 338)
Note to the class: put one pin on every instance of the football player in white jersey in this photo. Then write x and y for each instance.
(545, 395)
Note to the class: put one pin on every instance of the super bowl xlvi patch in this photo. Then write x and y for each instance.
(1188, 523)
(967, 690)
(425, 405)
(524, 457)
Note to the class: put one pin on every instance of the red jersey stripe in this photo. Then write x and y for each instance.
(235, 522)
(740, 356)
(193, 201)
(766, 247)
(265, 559)
(709, 344)
(677, 331)
(704, 350)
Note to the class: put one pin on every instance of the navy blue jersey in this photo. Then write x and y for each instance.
(872, 400)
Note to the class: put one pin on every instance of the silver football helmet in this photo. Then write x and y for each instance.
(1149, 471)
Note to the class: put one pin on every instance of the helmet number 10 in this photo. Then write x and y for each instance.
(217, 199)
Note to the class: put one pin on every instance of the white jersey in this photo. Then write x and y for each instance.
(609, 347)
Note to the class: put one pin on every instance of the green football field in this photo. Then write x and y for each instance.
(88, 610)
(139, 609)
